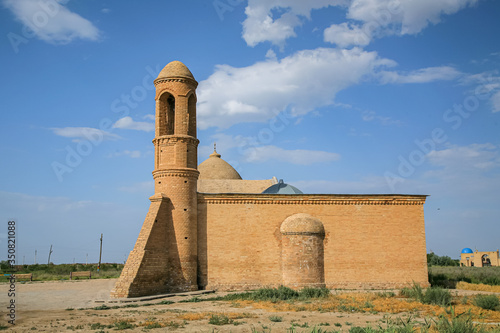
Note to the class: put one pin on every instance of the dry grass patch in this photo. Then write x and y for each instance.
(374, 303)
(477, 287)
(191, 316)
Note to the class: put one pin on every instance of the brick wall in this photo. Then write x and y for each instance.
(371, 241)
(147, 270)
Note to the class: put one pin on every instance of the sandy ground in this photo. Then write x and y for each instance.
(59, 306)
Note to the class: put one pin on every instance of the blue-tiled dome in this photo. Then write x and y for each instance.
(282, 188)
(467, 250)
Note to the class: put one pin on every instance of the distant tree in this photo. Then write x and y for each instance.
(435, 260)
(4, 264)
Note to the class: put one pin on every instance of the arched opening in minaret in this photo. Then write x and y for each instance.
(192, 115)
(166, 114)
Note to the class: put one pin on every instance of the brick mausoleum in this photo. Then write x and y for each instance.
(207, 228)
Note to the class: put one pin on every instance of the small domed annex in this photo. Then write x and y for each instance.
(175, 69)
(282, 188)
(216, 168)
(467, 250)
(302, 224)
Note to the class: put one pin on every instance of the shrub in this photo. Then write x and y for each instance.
(219, 320)
(272, 294)
(492, 281)
(416, 292)
(276, 319)
(437, 296)
(433, 295)
(123, 325)
(166, 302)
(487, 302)
(102, 307)
(307, 293)
(447, 277)
(458, 324)
(435, 260)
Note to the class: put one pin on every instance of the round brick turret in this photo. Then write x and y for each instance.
(176, 174)
(302, 252)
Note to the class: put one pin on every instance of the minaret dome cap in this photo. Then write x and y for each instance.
(175, 69)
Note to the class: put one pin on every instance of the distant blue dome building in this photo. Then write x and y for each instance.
(282, 188)
(467, 250)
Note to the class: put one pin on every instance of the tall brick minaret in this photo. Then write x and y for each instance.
(165, 258)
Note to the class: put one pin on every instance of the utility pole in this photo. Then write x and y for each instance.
(100, 255)
(50, 252)
(35, 257)
(87, 259)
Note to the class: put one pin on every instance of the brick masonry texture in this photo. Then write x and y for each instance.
(371, 241)
(222, 234)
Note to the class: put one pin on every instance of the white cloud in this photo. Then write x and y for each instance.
(85, 133)
(276, 20)
(373, 116)
(495, 100)
(250, 150)
(486, 85)
(51, 21)
(462, 160)
(300, 82)
(345, 35)
(149, 116)
(129, 123)
(298, 156)
(224, 143)
(403, 16)
(423, 75)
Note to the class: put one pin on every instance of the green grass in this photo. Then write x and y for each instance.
(166, 302)
(433, 295)
(123, 325)
(194, 299)
(276, 319)
(52, 272)
(220, 320)
(275, 294)
(102, 307)
(99, 326)
(487, 302)
(447, 276)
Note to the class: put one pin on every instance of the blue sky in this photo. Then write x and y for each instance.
(333, 96)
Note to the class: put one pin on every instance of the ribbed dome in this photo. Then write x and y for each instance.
(216, 168)
(282, 188)
(302, 224)
(175, 69)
